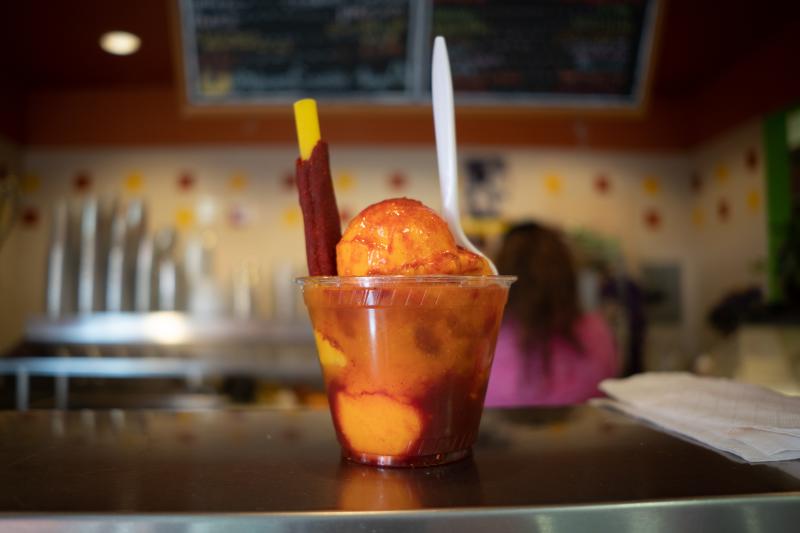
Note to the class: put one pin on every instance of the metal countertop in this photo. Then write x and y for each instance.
(564, 469)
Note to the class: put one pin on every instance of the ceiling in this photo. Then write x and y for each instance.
(713, 68)
(54, 44)
(701, 40)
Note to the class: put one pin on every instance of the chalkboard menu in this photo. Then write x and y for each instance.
(548, 49)
(542, 52)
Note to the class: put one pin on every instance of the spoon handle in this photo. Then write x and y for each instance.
(444, 124)
(445, 127)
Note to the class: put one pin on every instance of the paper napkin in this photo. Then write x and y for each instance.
(755, 423)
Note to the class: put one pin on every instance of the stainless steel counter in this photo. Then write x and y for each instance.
(570, 469)
(160, 345)
(164, 328)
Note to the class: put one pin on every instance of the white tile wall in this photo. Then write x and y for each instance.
(715, 256)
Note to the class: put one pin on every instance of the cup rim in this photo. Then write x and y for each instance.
(429, 279)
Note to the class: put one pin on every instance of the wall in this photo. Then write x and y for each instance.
(729, 223)
(244, 197)
(647, 205)
(11, 319)
(257, 217)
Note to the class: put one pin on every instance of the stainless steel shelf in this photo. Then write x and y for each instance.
(164, 328)
(303, 369)
(161, 345)
(148, 367)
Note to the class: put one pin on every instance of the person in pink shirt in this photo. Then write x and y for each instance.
(548, 352)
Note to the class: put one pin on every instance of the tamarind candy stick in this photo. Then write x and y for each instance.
(321, 224)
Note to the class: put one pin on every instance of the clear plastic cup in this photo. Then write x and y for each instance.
(406, 361)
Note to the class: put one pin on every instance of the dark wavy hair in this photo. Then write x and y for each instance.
(544, 299)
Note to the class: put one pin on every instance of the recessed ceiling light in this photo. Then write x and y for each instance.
(120, 43)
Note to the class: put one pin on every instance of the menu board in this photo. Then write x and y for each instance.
(549, 50)
(254, 51)
(542, 52)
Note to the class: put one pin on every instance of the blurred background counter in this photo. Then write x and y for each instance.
(164, 359)
(761, 354)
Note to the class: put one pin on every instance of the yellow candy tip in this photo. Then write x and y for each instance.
(307, 124)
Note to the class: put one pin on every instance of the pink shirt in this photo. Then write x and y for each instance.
(517, 379)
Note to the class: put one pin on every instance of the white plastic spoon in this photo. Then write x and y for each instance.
(445, 126)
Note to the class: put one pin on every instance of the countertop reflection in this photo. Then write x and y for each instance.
(279, 462)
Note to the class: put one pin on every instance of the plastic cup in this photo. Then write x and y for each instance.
(406, 361)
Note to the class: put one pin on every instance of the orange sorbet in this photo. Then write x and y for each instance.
(401, 236)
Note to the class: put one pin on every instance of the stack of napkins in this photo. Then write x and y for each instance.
(752, 422)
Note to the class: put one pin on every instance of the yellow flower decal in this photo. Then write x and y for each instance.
(238, 182)
(754, 201)
(134, 182)
(291, 217)
(698, 217)
(553, 184)
(345, 182)
(30, 183)
(722, 173)
(652, 185)
(184, 218)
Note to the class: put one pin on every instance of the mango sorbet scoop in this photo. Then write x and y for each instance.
(401, 236)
